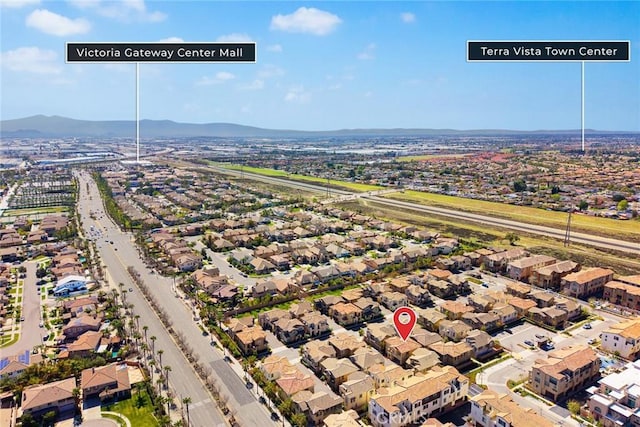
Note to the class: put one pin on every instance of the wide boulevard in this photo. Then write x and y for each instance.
(118, 251)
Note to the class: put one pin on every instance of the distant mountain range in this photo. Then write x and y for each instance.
(62, 127)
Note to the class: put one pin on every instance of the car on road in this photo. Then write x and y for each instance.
(41, 325)
(529, 343)
(274, 416)
(587, 326)
(262, 400)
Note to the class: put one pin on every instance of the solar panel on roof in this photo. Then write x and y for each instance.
(24, 358)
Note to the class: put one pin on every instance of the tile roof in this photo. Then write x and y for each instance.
(39, 395)
(501, 405)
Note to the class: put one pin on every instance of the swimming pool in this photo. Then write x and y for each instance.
(606, 362)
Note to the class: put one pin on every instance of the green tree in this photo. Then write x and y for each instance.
(186, 401)
(574, 407)
(27, 420)
(286, 407)
(49, 418)
(519, 185)
(512, 237)
(583, 205)
(299, 420)
(623, 205)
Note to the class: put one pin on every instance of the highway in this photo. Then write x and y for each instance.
(576, 237)
(123, 253)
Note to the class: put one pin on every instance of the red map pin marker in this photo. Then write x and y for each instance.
(404, 319)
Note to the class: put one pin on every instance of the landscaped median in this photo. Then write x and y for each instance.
(627, 230)
(342, 185)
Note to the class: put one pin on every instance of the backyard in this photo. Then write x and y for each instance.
(138, 409)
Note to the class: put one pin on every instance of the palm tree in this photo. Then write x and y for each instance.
(152, 367)
(76, 396)
(167, 369)
(144, 347)
(160, 353)
(169, 401)
(160, 382)
(153, 343)
(186, 401)
(137, 317)
(164, 420)
(145, 328)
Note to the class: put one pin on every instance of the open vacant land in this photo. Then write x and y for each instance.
(345, 185)
(588, 256)
(627, 230)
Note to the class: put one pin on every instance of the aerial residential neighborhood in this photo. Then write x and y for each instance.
(295, 298)
(329, 214)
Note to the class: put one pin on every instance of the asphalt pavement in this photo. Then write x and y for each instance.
(182, 378)
(123, 253)
(30, 331)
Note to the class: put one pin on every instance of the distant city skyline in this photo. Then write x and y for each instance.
(323, 65)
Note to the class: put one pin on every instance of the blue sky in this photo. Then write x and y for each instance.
(323, 65)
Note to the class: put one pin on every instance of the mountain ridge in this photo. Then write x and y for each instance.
(41, 126)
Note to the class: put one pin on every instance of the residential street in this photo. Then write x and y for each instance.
(30, 331)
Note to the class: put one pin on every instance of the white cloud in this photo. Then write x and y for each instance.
(257, 84)
(123, 10)
(171, 40)
(58, 25)
(306, 20)
(234, 38)
(31, 60)
(274, 48)
(298, 95)
(269, 71)
(224, 75)
(408, 17)
(220, 77)
(16, 4)
(368, 52)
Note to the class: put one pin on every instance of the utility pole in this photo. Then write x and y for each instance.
(328, 193)
(567, 233)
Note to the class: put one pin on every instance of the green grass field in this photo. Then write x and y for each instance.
(35, 211)
(628, 230)
(584, 255)
(352, 186)
(138, 409)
